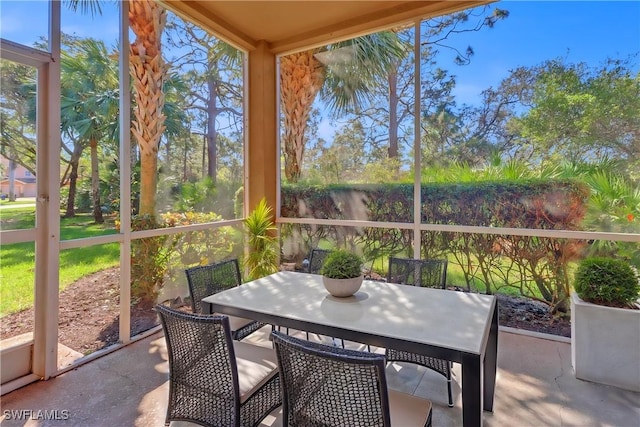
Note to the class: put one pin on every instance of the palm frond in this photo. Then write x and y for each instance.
(354, 66)
(91, 7)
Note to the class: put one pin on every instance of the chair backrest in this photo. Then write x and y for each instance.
(203, 373)
(330, 386)
(428, 273)
(316, 259)
(210, 279)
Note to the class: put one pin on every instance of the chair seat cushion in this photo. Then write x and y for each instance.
(408, 410)
(256, 366)
(236, 323)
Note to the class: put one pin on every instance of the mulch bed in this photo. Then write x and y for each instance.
(531, 315)
(89, 315)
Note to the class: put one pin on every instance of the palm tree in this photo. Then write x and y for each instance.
(342, 73)
(147, 19)
(89, 108)
(149, 72)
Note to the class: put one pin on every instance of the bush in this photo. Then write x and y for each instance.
(534, 266)
(607, 281)
(149, 260)
(341, 264)
(156, 260)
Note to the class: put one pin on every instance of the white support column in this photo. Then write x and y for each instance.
(125, 176)
(47, 253)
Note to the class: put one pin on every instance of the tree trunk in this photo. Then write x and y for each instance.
(73, 181)
(301, 77)
(204, 151)
(212, 133)
(393, 114)
(147, 19)
(185, 156)
(95, 183)
(12, 180)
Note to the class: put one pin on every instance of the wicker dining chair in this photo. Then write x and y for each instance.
(316, 259)
(213, 278)
(330, 386)
(428, 273)
(214, 380)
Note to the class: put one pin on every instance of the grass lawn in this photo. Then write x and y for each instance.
(17, 268)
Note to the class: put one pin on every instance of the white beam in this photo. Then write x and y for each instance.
(125, 175)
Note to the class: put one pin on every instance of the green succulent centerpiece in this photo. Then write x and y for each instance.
(342, 273)
(341, 264)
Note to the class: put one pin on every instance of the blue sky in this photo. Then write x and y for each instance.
(579, 31)
(24, 21)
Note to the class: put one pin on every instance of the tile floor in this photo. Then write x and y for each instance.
(535, 387)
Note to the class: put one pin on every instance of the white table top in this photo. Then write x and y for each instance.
(455, 320)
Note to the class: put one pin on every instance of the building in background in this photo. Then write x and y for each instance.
(16, 179)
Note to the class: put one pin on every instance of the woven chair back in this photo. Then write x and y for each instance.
(210, 279)
(428, 273)
(316, 259)
(203, 376)
(330, 386)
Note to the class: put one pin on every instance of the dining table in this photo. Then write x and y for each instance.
(458, 326)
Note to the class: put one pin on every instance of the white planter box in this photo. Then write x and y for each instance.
(605, 344)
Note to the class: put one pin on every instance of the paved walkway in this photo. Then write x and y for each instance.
(535, 387)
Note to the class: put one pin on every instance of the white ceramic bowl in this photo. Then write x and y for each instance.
(342, 287)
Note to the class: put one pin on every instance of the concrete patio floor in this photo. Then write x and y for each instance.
(535, 387)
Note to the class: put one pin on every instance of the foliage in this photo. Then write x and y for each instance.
(238, 203)
(577, 111)
(154, 259)
(89, 108)
(347, 82)
(262, 259)
(607, 281)
(17, 117)
(196, 247)
(538, 267)
(149, 260)
(538, 116)
(213, 93)
(342, 83)
(342, 264)
(615, 203)
(196, 196)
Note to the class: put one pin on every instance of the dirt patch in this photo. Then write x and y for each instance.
(89, 315)
(531, 315)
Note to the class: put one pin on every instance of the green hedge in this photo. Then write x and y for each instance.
(536, 267)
